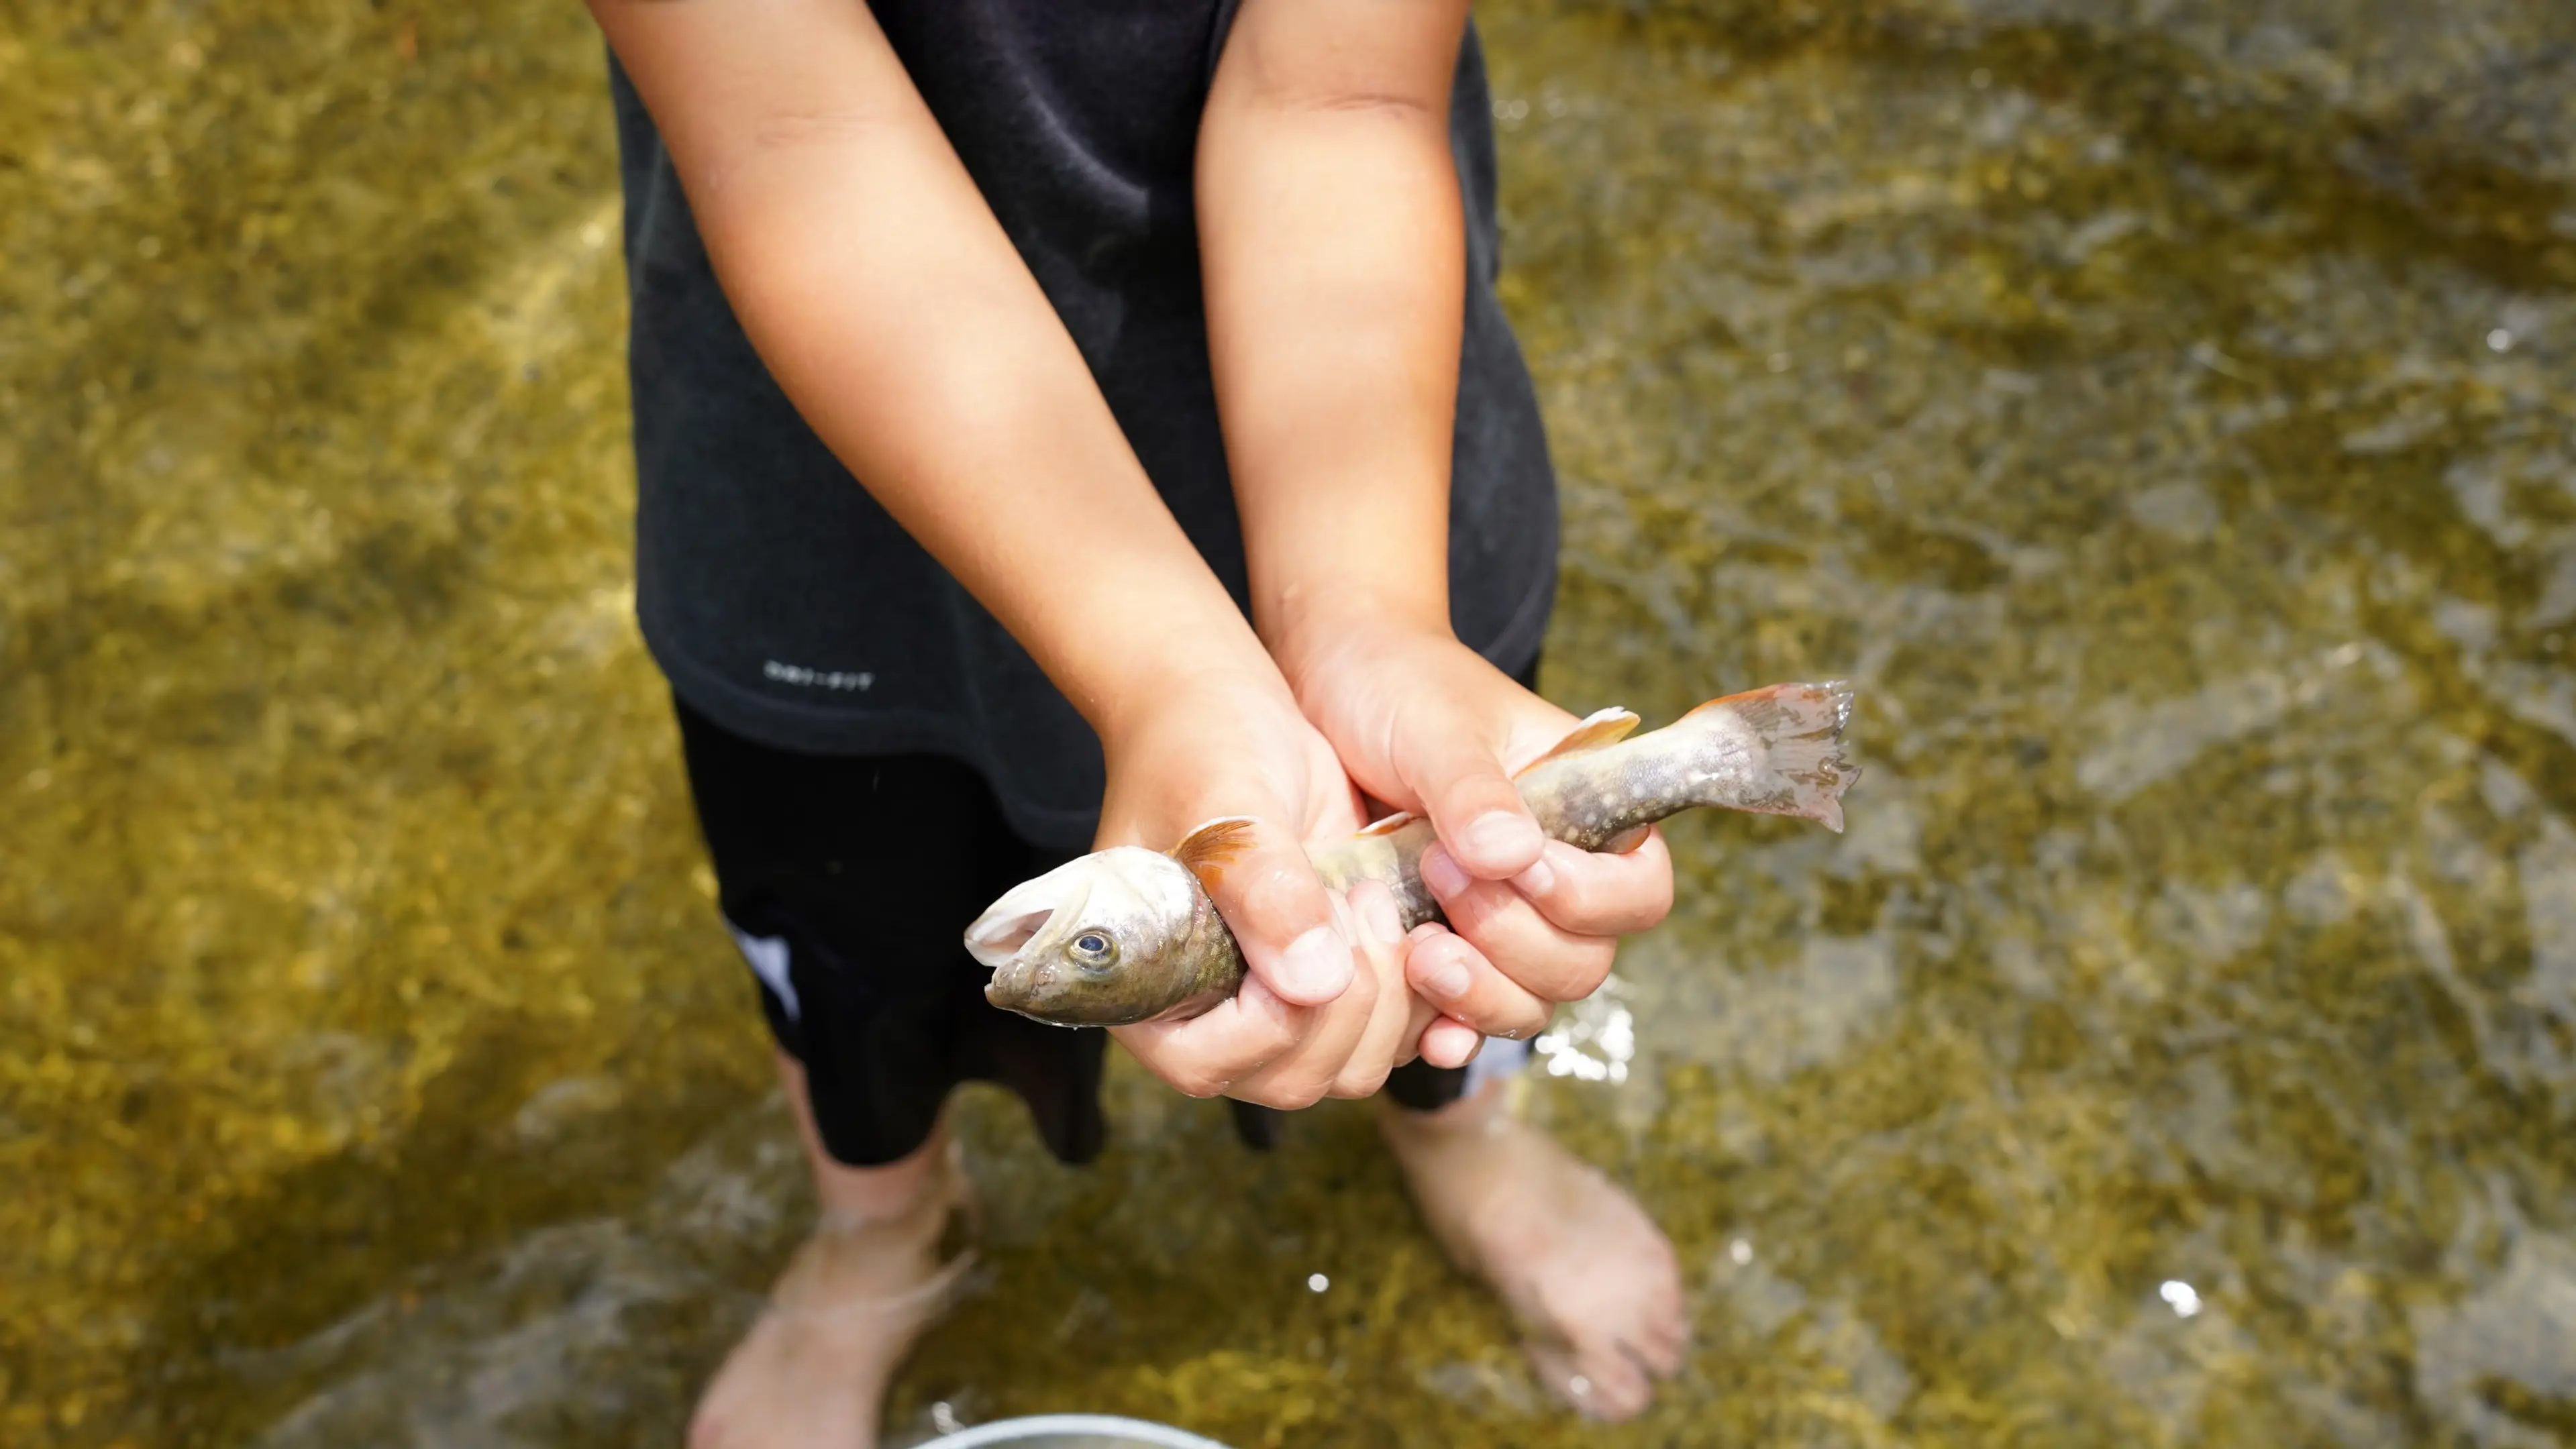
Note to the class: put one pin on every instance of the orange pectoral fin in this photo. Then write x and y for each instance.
(1207, 850)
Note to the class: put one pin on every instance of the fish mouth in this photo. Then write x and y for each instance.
(1010, 923)
(1031, 982)
(1020, 991)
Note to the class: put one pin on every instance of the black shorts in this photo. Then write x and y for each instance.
(848, 882)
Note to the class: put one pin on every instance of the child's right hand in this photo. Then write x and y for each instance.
(1316, 1017)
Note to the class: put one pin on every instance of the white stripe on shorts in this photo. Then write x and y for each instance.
(768, 958)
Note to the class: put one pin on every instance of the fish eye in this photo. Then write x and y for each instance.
(1095, 948)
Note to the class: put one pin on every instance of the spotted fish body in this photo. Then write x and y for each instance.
(1127, 935)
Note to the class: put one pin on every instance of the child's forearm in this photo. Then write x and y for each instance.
(890, 305)
(1334, 253)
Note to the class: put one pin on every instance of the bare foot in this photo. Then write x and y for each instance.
(812, 1372)
(1587, 1273)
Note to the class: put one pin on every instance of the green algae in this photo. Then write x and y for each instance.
(2164, 411)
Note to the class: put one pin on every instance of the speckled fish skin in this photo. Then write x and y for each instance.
(1129, 935)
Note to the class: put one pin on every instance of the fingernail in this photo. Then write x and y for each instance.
(1316, 966)
(1441, 873)
(1500, 836)
(1378, 909)
(1450, 1043)
(1537, 879)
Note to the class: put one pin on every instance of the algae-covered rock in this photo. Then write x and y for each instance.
(2165, 412)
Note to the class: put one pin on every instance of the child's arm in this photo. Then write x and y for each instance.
(1332, 240)
(888, 302)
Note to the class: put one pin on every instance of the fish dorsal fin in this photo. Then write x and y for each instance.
(1387, 826)
(1207, 850)
(1603, 727)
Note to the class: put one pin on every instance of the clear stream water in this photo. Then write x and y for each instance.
(2165, 409)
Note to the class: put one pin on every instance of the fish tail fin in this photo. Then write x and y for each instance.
(1798, 728)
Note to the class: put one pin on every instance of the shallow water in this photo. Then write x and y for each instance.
(2165, 411)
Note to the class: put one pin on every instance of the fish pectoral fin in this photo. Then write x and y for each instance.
(1389, 825)
(1206, 850)
(1601, 728)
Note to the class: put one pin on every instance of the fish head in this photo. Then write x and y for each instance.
(1097, 941)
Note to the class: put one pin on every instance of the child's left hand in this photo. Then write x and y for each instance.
(1423, 723)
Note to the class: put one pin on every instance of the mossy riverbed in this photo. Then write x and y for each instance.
(2166, 412)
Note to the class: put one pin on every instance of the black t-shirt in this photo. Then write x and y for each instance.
(788, 607)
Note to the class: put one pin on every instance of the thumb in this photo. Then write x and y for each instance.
(1474, 807)
(1276, 906)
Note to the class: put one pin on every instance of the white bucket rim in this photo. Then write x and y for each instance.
(1008, 1431)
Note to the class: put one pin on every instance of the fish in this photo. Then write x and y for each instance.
(1129, 934)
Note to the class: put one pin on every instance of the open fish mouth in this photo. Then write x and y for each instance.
(996, 940)
(1010, 923)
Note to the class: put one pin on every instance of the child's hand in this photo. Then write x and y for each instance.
(1425, 724)
(1310, 1021)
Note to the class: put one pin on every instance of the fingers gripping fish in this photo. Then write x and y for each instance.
(1127, 934)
